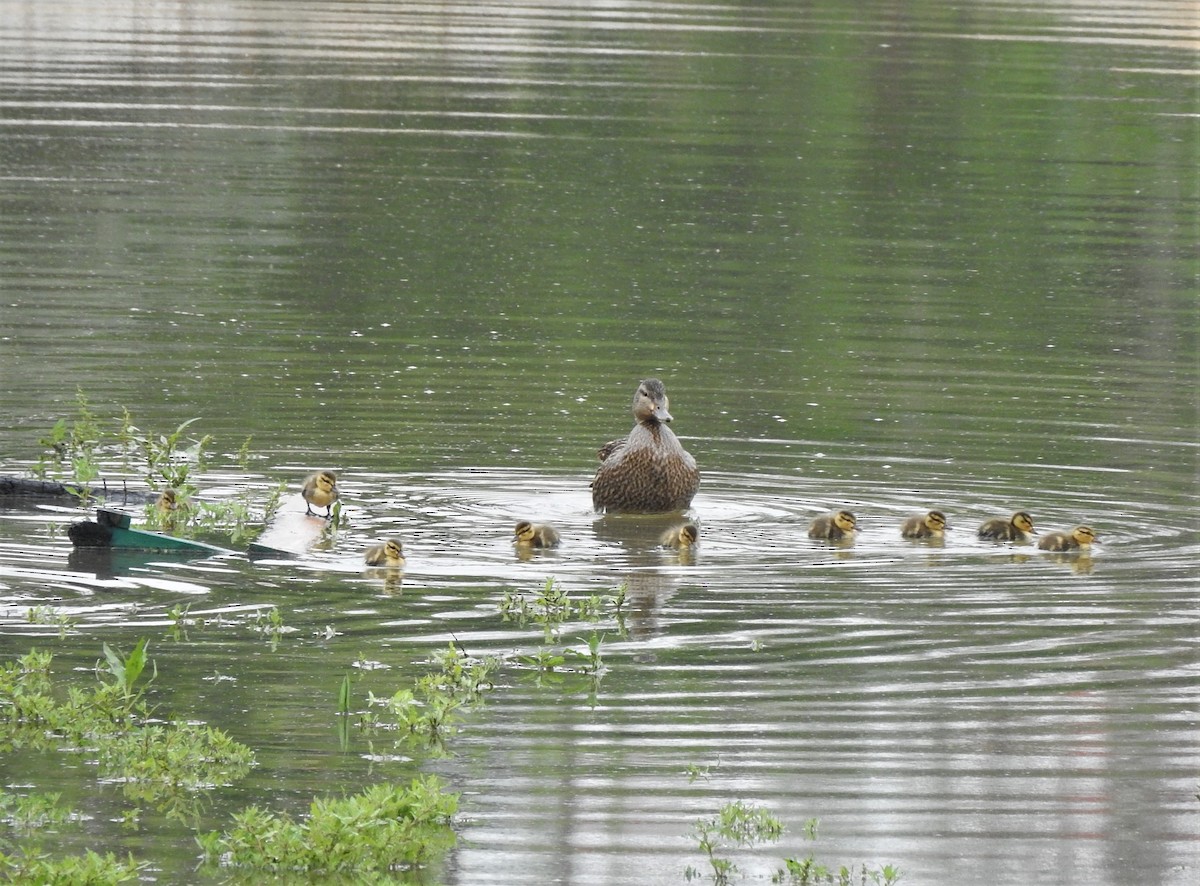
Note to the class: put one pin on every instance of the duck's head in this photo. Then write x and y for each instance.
(326, 481)
(524, 531)
(936, 521)
(650, 402)
(689, 534)
(393, 549)
(168, 500)
(844, 521)
(1023, 521)
(1083, 535)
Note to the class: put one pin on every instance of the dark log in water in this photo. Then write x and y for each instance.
(32, 487)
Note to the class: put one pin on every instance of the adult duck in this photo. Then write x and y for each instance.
(649, 471)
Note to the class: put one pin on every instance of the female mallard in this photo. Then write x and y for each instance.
(535, 535)
(930, 525)
(833, 526)
(648, 471)
(682, 536)
(1016, 528)
(1079, 537)
(320, 489)
(390, 553)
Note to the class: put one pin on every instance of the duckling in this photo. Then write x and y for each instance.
(390, 553)
(930, 525)
(535, 535)
(168, 500)
(833, 526)
(1016, 528)
(320, 489)
(1079, 537)
(649, 471)
(682, 536)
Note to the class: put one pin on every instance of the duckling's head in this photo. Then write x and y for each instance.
(650, 402)
(326, 481)
(1023, 521)
(524, 532)
(689, 534)
(844, 521)
(168, 500)
(935, 520)
(1083, 535)
(393, 549)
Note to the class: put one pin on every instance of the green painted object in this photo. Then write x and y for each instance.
(122, 535)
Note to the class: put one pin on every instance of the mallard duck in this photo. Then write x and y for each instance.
(1079, 537)
(1016, 528)
(833, 526)
(535, 535)
(320, 489)
(649, 471)
(390, 553)
(682, 536)
(930, 525)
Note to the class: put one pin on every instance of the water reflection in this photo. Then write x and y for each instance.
(885, 260)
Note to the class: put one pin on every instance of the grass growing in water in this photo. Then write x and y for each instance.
(384, 828)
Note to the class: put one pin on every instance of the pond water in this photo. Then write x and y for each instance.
(885, 256)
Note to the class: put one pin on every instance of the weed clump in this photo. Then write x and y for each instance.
(384, 828)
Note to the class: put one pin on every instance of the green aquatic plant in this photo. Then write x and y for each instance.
(112, 725)
(553, 607)
(89, 869)
(736, 825)
(387, 827)
(807, 871)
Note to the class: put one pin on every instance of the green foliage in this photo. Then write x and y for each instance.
(737, 824)
(127, 669)
(30, 812)
(553, 607)
(386, 827)
(89, 869)
(70, 451)
(112, 725)
(808, 871)
(430, 711)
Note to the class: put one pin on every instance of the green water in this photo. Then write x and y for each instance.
(884, 256)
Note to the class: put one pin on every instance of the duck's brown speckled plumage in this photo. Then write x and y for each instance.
(1079, 537)
(649, 471)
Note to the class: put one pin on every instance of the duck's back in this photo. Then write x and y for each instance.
(650, 472)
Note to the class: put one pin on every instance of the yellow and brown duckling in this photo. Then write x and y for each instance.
(320, 489)
(535, 535)
(167, 501)
(681, 537)
(1018, 527)
(833, 526)
(649, 471)
(931, 525)
(390, 553)
(1077, 538)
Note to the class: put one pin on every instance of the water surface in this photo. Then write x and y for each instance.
(885, 256)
